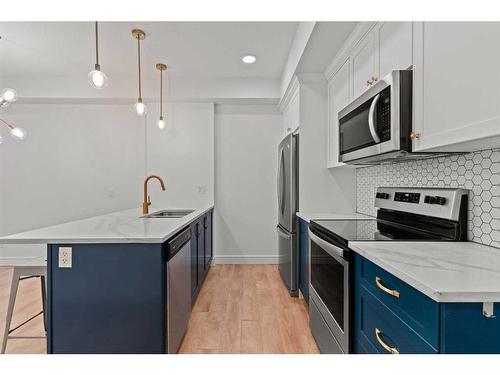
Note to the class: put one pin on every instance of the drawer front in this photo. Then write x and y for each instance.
(379, 329)
(416, 309)
(324, 338)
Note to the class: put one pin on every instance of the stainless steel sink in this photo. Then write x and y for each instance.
(172, 214)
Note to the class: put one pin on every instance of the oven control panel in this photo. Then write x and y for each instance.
(436, 202)
(406, 197)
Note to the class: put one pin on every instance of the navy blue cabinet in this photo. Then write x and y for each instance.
(304, 259)
(392, 316)
(207, 227)
(113, 298)
(111, 301)
(201, 251)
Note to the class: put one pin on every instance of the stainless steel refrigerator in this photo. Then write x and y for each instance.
(288, 203)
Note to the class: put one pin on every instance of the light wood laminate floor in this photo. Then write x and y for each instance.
(28, 303)
(240, 309)
(247, 309)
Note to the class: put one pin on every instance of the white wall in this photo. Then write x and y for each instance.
(321, 190)
(82, 160)
(182, 154)
(78, 161)
(246, 141)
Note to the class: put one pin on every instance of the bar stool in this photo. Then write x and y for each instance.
(24, 268)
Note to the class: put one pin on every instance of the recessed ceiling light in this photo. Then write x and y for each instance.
(249, 59)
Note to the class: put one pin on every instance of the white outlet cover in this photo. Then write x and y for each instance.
(65, 257)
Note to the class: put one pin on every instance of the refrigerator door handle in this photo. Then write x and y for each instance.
(281, 183)
(282, 233)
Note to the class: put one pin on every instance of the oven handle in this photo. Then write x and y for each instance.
(371, 119)
(331, 249)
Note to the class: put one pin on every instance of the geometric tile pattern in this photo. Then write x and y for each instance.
(479, 172)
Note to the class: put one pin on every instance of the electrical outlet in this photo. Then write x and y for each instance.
(65, 257)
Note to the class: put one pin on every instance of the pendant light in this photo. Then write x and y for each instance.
(140, 107)
(97, 79)
(7, 96)
(16, 133)
(161, 67)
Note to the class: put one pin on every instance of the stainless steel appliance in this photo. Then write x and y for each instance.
(412, 214)
(287, 207)
(376, 127)
(178, 293)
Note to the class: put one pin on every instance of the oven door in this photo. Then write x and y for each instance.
(370, 124)
(330, 287)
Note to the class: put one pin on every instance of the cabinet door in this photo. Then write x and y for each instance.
(364, 64)
(194, 258)
(201, 252)
(457, 86)
(304, 260)
(338, 98)
(394, 46)
(207, 221)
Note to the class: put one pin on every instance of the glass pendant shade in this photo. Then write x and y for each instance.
(140, 108)
(161, 123)
(7, 96)
(18, 133)
(98, 79)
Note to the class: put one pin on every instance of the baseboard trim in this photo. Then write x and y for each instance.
(246, 259)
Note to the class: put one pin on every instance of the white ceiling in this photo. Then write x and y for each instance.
(64, 51)
(211, 49)
(324, 44)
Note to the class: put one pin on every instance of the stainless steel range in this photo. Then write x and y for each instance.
(404, 214)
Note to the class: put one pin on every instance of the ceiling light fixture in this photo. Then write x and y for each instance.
(7, 96)
(16, 133)
(161, 67)
(140, 107)
(97, 79)
(249, 59)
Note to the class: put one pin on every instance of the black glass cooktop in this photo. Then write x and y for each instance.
(368, 230)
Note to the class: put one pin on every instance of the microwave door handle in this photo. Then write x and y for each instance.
(371, 119)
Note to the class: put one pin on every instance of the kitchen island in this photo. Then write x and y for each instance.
(109, 293)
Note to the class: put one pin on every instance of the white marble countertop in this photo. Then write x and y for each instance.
(307, 216)
(444, 271)
(118, 227)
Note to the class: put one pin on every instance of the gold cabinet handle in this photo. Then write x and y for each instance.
(392, 292)
(414, 136)
(390, 349)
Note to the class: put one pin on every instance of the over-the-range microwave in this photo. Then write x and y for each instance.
(376, 127)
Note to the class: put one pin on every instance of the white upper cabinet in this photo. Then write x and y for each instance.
(457, 86)
(395, 46)
(364, 64)
(338, 98)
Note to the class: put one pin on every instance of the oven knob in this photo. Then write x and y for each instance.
(440, 200)
(429, 199)
(382, 196)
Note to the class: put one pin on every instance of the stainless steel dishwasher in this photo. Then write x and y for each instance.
(178, 290)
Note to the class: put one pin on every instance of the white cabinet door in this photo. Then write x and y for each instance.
(364, 64)
(338, 98)
(457, 86)
(394, 46)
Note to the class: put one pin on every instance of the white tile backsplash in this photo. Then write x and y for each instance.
(478, 172)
